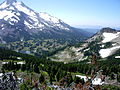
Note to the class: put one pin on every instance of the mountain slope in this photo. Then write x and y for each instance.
(108, 41)
(19, 23)
(105, 43)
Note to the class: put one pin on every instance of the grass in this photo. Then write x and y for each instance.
(77, 73)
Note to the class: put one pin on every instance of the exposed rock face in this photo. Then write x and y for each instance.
(108, 30)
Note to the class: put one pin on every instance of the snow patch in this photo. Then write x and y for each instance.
(2, 25)
(28, 25)
(97, 81)
(4, 62)
(117, 56)
(14, 62)
(83, 77)
(12, 8)
(109, 36)
(9, 16)
(107, 52)
(4, 5)
(114, 44)
(6, 13)
(21, 63)
(1, 74)
(13, 20)
(87, 49)
(35, 25)
(3, 28)
(102, 46)
(18, 14)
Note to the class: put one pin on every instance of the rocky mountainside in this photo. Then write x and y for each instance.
(104, 44)
(108, 41)
(18, 22)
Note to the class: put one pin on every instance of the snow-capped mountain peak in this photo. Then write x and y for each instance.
(53, 21)
(17, 20)
(7, 3)
(11, 11)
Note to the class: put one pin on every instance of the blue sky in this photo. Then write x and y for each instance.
(80, 12)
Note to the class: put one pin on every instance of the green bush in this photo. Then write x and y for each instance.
(24, 86)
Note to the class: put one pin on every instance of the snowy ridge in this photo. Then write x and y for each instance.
(21, 7)
(49, 18)
(53, 21)
(19, 21)
(10, 11)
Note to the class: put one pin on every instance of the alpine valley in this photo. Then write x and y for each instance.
(41, 52)
(24, 30)
(40, 34)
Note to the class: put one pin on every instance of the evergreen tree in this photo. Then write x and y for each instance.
(118, 77)
(42, 79)
(23, 86)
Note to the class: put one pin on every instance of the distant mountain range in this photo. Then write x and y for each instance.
(18, 22)
(93, 29)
